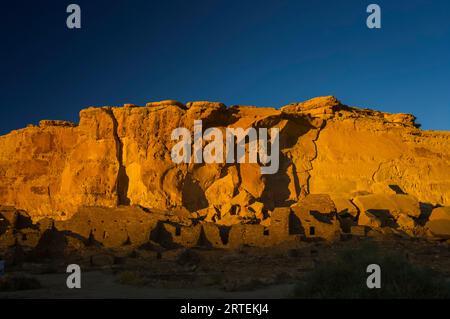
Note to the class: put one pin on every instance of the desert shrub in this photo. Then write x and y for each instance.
(132, 278)
(345, 277)
(13, 283)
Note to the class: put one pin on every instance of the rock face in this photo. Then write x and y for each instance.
(52, 169)
(366, 161)
(439, 222)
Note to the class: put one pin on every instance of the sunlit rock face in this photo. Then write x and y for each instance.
(122, 156)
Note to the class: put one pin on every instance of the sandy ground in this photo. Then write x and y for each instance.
(97, 284)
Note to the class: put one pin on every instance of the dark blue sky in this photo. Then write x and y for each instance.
(266, 53)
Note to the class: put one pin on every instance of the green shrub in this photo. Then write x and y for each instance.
(345, 277)
(131, 278)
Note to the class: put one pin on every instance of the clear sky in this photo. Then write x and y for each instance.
(265, 53)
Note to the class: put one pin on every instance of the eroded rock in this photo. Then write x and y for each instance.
(439, 222)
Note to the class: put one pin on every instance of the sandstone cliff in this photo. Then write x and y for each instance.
(121, 156)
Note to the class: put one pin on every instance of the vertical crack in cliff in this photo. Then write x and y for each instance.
(376, 172)
(296, 180)
(122, 180)
(316, 154)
